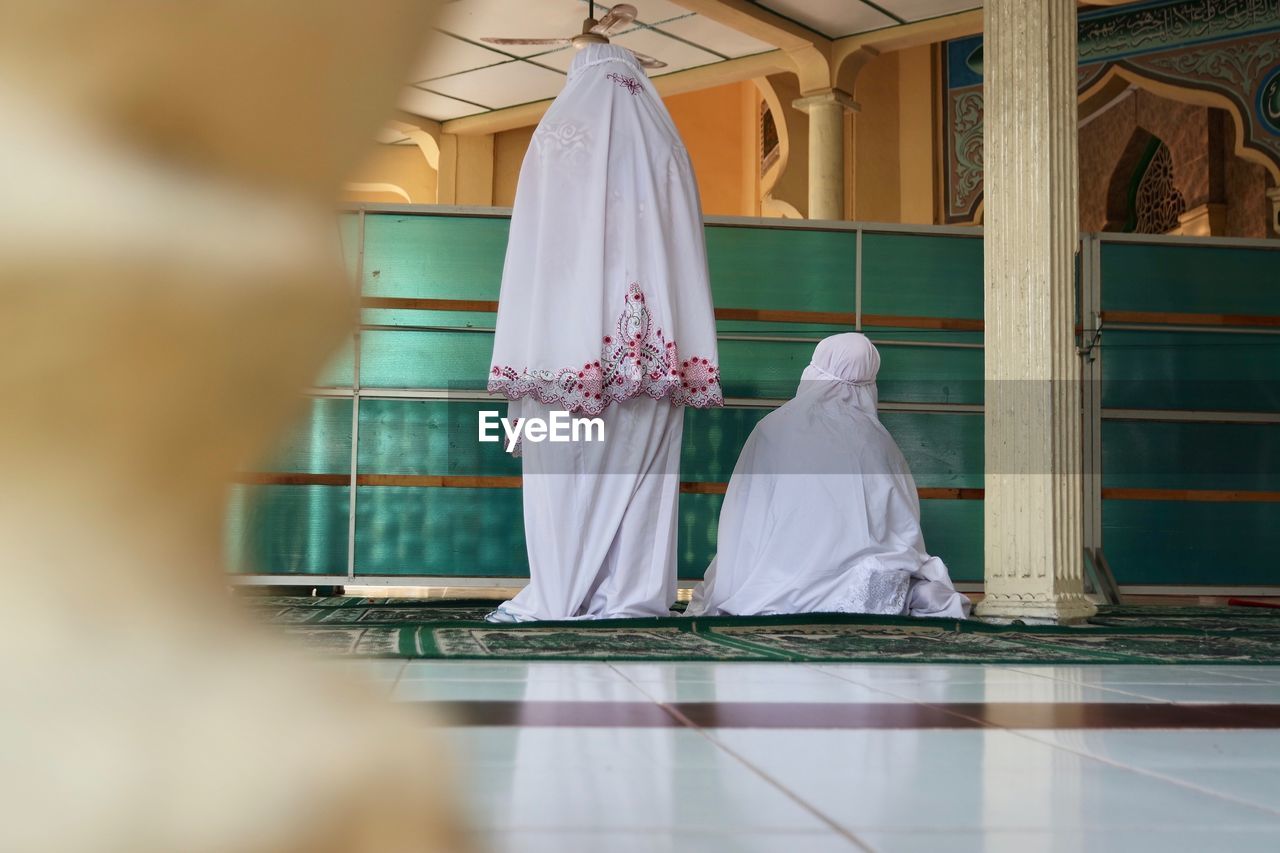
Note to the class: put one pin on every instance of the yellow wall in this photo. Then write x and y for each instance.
(917, 135)
(875, 163)
(718, 128)
(891, 167)
(791, 186)
(508, 155)
(402, 167)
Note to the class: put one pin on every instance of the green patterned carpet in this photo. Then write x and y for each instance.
(454, 629)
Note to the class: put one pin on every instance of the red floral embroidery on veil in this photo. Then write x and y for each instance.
(636, 359)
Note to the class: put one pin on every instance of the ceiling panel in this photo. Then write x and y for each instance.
(431, 105)
(459, 76)
(502, 85)
(647, 11)
(448, 55)
(677, 54)
(834, 18)
(918, 10)
(674, 52)
(475, 19)
(715, 36)
(558, 59)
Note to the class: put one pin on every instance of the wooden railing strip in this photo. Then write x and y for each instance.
(459, 481)
(257, 478)
(1191, 495)
(690, 487)
(410, 304)
(1172, 318)
(760, 315)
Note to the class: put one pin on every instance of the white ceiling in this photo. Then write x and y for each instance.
(460, 76)
(839, 18)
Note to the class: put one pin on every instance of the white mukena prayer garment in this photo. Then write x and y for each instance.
(822, 513)
(605, 311)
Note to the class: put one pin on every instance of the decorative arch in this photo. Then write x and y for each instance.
(1142, 194)
(376, 191)
(1105, 85)
(771, 177)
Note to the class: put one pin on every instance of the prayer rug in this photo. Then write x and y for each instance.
(454, 629)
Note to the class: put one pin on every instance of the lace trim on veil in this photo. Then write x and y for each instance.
(637, 359)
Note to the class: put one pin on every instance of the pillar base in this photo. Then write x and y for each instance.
(1035, 609)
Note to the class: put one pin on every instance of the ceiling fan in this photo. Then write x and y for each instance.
(594, 32)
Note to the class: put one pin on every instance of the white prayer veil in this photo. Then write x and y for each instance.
(822, 512)
(605, 293)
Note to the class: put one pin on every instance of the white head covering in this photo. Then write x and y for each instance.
(605, 293)
(843, 371)
(822, 512)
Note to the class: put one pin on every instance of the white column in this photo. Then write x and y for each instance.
(1033, 525)
(826, 151)
(1273, 196)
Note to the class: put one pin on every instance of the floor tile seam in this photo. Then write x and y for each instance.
(1078, 683)
(659, 830)
(1142, 771)
(1250, 683)
(936, 706)
(1023, 733)
(768, 779)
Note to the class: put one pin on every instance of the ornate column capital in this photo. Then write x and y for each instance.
(830, 96)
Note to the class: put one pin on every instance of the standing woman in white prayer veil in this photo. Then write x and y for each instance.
(605, 311)
(822, 513)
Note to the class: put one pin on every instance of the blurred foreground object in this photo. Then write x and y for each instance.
(167, 285)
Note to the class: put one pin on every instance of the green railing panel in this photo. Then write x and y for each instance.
(340, 370)
(1147, 455)
(699, 515)
(434, 257)
(907, 374)
(895, 335)
(943, 450)
(288, 530)
(319, 442)
(349, 241)
(712, 440)
(769, 370)
(953, 532)
(483, 320)
(1190, 279)
(930, 375)
(1169, 542)
(1190, 370)
(430, 437)
(442, 532)
(412, 359)
(922, 275)
(791, 270)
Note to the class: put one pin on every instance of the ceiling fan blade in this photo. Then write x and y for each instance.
(615, 19)
(525, 41)
(647, 61)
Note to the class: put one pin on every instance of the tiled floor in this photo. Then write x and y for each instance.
(942, 773)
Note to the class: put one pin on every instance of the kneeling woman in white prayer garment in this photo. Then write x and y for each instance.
(822, 513)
